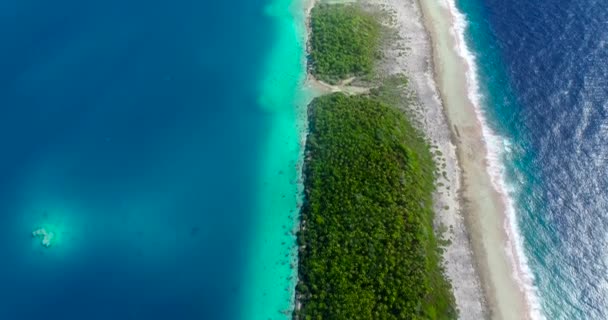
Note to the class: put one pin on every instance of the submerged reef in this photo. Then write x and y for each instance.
(46, 236)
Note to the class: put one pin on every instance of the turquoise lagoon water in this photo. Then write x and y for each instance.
(160, 143)
(274, 260)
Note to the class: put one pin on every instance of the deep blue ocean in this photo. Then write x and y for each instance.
(132, 130)
(543, 71)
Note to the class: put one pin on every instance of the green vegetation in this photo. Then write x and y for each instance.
(344, 42)
(368, 250)
(367, 245)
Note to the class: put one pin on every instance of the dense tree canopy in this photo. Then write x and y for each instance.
(344, 42)
(368, 250)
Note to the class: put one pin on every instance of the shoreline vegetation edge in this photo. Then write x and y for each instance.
(485, 205)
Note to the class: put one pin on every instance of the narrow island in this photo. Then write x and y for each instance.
(368, 249)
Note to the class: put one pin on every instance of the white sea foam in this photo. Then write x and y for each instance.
(496, 147)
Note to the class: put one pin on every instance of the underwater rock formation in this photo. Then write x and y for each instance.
(47, 237)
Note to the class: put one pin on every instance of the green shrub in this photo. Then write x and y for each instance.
(344, 42)
(368, 246)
